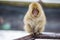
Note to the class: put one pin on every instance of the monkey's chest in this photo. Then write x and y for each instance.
(35, 22)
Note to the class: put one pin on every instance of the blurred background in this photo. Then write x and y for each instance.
(12, 14)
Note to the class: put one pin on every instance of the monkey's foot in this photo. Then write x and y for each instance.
(34, 35)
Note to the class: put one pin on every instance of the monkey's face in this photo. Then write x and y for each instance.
(35, 12)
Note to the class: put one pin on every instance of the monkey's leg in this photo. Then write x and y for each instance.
(28, 28)
(39, 29)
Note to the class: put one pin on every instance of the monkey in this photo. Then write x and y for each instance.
(35, 19)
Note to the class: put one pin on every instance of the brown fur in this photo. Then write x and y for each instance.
(34, 24)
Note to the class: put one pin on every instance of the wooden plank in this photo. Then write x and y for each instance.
(41, 36)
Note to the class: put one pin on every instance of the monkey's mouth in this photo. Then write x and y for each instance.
(35, 12)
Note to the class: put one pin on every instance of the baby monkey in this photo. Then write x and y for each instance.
(35, 19)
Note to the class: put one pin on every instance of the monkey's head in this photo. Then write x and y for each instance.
(35, 9)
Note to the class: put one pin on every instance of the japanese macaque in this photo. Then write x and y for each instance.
(34, 20)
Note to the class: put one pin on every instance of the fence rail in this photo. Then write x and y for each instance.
(25, 4)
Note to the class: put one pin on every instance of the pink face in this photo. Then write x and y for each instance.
(35, 12)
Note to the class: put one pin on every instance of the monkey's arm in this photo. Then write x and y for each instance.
(28, 20)
(40, 27)
(28, 24)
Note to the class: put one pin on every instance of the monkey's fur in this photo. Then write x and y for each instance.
(34, 24)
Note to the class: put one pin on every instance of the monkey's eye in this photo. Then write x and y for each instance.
(35, 12)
